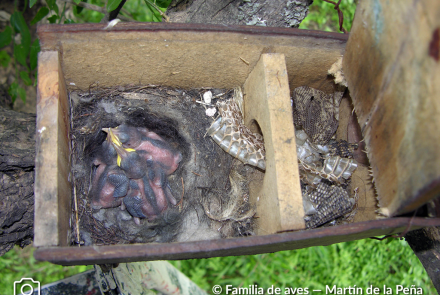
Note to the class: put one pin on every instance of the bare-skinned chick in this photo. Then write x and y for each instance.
(142, 201)
(109, 182)
(149, 145)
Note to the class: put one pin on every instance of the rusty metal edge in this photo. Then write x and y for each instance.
(229, 247)
(190, 27)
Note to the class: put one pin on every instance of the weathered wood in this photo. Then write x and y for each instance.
(52, 164)
(202, 55)
(267, 101)
(17, 150)
(393, 74)
(217, 57)
(273, 13)
(425, 243)
(230, 247)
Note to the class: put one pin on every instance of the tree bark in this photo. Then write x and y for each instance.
(17, 157)
(425, 243)
(271, 13)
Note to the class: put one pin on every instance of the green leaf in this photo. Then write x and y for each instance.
(32, 3)
(13, 91)
(20, 54)
(149, 13)
(77, 1)
(156, 18)
(24, 75)
(6, 37)
(40, 15)
(53, 5)
(113, 4)
(33, 55)
(53, 19)
(163, 3)
(20, 26)
(22, 93)
(5, 58)
(69, 21)
(77, 9)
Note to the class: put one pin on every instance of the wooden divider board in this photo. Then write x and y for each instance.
(52, 164)
(267, 101)
(392, 66)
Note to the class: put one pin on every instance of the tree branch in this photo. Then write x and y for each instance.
(113, 14)
(97, 8)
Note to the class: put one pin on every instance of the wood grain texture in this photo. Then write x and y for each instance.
(187, 55)
(267, 101)
(394, 81)
(52, 164)
(227, 247)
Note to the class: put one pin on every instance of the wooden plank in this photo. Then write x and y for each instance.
(267, 101)
(392, 68)
(229, 247)
(52, 165)
(187, 55)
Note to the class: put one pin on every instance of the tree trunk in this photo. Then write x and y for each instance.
(425, 243)
(17, 158)
(271, 13)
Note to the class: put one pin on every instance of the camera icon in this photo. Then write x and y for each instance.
(28, 288)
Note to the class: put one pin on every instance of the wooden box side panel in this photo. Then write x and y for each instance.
(227, 247)
(52, 188)
(184, 58)
(393, 73)
(267, 100)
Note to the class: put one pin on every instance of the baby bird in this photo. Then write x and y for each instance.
(149, 145)
(142, 200)
(109, 182)
(132, 170)
(109, 185)
(127, 158)
(159, 182)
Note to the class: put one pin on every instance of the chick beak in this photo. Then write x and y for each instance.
(114, 140)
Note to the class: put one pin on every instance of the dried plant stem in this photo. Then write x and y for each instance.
(76, 213)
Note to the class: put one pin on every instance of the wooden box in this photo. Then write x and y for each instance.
(192, 56)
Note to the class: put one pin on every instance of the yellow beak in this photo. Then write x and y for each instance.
(113, 139)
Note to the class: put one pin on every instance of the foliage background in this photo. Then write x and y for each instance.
(362, 263)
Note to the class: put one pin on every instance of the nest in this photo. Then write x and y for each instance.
(210, 186)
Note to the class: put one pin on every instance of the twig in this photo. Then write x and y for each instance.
(183, 187)
(183, 192)
(243, 60)
(96, 8)
(76, 213)
(340, 14)
(114, 13)
(62, 14)
(196, 173)
(167, 19)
